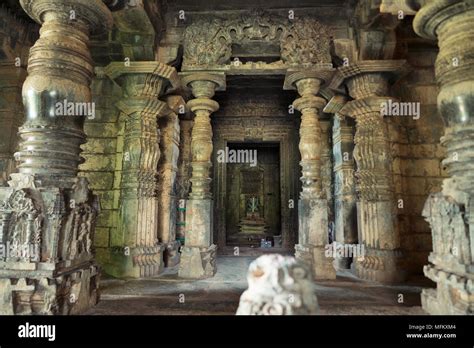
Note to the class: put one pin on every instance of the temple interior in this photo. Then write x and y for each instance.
(152, 151)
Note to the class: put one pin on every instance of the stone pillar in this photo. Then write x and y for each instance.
(368, 84)
(47, 214)
(345, 198)
(143, 83)
(326, 166)
(198, 257)
(312, 206)
(451, 212)
(167, 172)
(184, 172)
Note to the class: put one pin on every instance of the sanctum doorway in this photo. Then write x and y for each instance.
(253, 199)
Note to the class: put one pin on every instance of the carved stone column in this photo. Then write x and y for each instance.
(345, 198)
(143, 83)
(198, 257)
(451, 212)
(326, 165)
(167, 172)
(368, 83)
(47, 214)
(312, 205)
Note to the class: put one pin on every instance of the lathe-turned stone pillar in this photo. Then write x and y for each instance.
(167, 172)
(141, 254)
(345, 198)
(198, 257)
(47, 214)
(451, 212)
(368, 84)
(313, 235)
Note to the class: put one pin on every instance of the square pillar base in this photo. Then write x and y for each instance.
(452, 295)
(315, 257)
(313, 237)
(137, 262)
(199, 222)
(198, 262)
(383, 266)
(47, 261)
(44, 292)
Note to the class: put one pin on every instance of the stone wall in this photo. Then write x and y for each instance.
(103, 154)
(417, 153)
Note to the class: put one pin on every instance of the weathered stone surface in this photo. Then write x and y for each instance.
(278, 285)
(313, 238)
(47, 233)
(198, 262)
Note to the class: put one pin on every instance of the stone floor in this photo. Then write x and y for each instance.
(169, 295)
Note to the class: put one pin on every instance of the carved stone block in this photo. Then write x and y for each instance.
(47, 261)
(198, 262)
(278, 285)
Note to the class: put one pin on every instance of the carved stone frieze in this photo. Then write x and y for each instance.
(208, 41)
(44, 234)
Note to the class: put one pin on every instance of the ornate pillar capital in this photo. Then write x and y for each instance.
(143, 79)
(308, 81)
(204, 84)
(369, 78)
(94, 14)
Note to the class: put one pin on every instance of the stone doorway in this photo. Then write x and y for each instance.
(253, 200)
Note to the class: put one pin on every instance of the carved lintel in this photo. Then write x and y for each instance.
(208, 41)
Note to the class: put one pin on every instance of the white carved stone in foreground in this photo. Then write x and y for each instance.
(278, 285)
